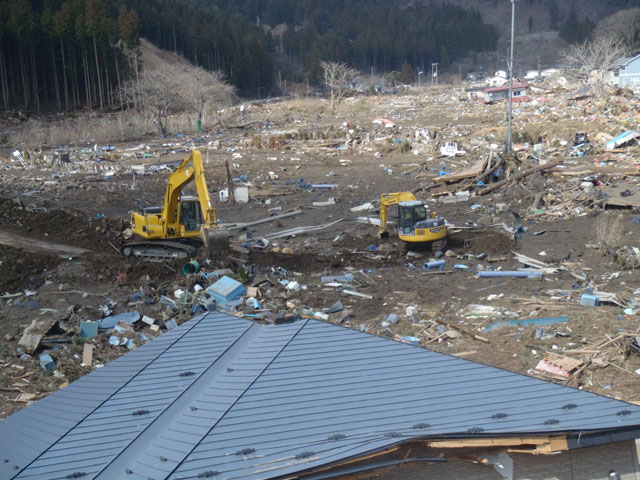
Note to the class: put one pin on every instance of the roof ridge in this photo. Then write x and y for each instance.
(180, 403)
(302, 323)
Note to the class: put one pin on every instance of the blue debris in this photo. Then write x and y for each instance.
(392, 318)
(347, 278)
(510, 273)
(171, 324)
(88, 329)
(226, 289)
(437, 265)
(589, 300)
(46, 362)
(108, 323)
(336, 307)
(526, 322)
(411, 340)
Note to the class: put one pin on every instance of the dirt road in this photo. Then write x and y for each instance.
(9, 239)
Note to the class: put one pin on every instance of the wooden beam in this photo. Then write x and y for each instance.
(494, 442)
(520, 176)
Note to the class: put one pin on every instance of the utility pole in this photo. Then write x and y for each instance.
(434, 73)
(420, 72)
(510, 121)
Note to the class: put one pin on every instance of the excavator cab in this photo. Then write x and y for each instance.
(415, 226)
(410, 213)
(190, 214)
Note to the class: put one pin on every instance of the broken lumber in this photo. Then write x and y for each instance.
(526, 173)
(477, 169)
(491, 170)
(33, 334)
(464, 330)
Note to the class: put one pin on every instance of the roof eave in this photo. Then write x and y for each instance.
(557, 442)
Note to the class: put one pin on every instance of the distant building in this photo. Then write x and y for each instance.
(532, 74)
(494, 94)
(625, 72)
(474, 93)
(550, 72)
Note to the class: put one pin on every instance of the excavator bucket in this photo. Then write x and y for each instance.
(216, 241)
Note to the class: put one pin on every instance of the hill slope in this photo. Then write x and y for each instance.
(537, 25)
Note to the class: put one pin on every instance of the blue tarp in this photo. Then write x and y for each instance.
(526, 322)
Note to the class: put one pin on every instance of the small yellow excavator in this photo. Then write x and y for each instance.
(183, 223)
(413, 224)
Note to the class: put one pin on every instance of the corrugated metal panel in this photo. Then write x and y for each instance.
(270, 400)
(141, 383)
(332, 381)
(36, 427)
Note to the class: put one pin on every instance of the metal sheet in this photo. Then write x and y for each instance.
(264, 401)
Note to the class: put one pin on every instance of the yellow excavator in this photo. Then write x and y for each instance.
(183, 223)
(414, 226)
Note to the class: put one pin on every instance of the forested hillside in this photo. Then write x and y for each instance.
(67, 54)
(370, 33)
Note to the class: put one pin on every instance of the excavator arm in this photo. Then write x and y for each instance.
(208, 211)
(215, 238)
(387, 199)
(176, 183)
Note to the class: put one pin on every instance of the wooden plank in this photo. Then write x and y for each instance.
(87, 354)
(491, 442)
(464, 354)
(26, 397)
(475, 170)
(33, 334)
(464, 330)
(567, 363)
(556, 444)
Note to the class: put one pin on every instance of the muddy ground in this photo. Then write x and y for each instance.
(91, 211)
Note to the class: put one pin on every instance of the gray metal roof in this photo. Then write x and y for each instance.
(624, 61)
(226, 398)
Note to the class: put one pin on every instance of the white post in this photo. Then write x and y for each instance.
(513, 19)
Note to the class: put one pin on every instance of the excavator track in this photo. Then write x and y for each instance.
(158, 251)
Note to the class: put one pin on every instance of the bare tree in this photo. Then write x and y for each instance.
(158, 94)
(203, 89)
(594, 58)
(622, 26)
(339, 77)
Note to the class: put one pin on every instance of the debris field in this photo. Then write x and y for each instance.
(538, 276)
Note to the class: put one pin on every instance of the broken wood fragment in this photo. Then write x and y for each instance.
(464, 330)
(519, 176)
